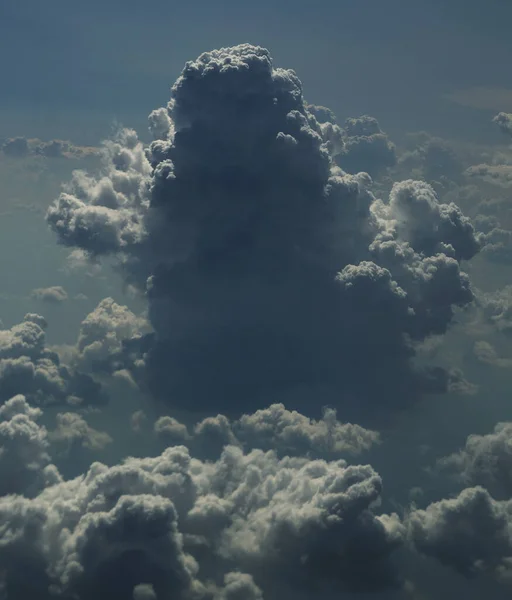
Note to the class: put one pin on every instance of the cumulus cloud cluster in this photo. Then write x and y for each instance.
(148, 522)
(286, 432)
(250, 523)
(470, 533)
(485, 460)
(432, 159)
(28, 367)
(101, 340)
(268, 269)
(246, 524)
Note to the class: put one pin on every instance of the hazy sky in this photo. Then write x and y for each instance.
(63, 60)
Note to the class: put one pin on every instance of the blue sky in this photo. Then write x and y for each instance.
(395, 59)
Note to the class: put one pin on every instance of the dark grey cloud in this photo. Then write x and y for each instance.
(485, 460)
(497, 246)
(53, 295)
(434, 159)
(322, 114)
(268, 270)
(17, 147)
(469, 533)
(366, 147)
(440, 160)
(169, 430)
(485, 222)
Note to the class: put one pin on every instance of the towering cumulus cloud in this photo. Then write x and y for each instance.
(268, 269)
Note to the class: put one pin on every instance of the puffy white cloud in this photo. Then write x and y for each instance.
(292, 520)
(288, 433)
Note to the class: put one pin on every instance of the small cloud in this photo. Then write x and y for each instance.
(137, 420)
(144, 591)
(20, 147)
(486, 353)
(53, 295)
(504, 122)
